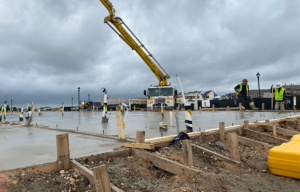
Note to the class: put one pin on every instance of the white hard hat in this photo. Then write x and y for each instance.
(278, 85)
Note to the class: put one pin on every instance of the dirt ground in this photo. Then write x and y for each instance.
(59, 180)
(291, 125)
(252, 174)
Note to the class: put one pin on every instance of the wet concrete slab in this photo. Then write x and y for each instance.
(148, 121)
(27, 146)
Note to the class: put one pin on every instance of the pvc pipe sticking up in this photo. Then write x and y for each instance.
(188, 112)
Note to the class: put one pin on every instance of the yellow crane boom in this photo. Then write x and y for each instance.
(123, 34)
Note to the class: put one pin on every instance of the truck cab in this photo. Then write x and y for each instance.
(157, 95)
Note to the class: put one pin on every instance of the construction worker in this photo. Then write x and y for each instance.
(279, 95)
(242, 91)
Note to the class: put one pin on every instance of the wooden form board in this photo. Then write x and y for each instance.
(252, 143)
(90, 175)
(170, 137)
(289, 120)
(265, 124)
(215, 130)
(250, 125)
(216, 155)
(264, 137)
(110, 155)
(165, 164)
(284, 132)
(223, 108)
(139, 145)
(46, 167)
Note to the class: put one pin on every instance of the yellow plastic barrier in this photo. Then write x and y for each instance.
(284, 160)
(296, 138)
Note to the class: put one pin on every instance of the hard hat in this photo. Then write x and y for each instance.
(245, 81)
(278, 85)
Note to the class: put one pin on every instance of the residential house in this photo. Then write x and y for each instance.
(209, 95)
(190, 96)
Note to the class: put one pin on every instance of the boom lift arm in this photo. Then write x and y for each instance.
(123, 34)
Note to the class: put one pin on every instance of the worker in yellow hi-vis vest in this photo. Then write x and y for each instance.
(242, 91)
(279, 92)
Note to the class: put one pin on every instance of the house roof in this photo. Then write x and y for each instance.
(207, 92)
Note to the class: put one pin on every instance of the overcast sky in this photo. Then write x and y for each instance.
(50, 48)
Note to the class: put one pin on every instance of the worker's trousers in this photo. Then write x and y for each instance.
(279, 105)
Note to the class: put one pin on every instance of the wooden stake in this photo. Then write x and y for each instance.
(140, 137)
(222, 131)
(233, 144)
(205, 105)
(187, 152)
(119, 118)
(133, 107)
(213, 107)
(263, 106)
(200, 109)
(101, 179)
(246, 124)
(274, 130)
(63, 152)
(117, 108)
(240, 106)
(228, 108)
(97, 108)
(139, 145)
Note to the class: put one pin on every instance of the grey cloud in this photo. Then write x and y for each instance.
(49, 48)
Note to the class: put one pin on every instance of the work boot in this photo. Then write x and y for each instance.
(252, 106)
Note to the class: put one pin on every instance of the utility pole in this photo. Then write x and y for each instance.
(72, 102)
(88, 97)
(11, 104)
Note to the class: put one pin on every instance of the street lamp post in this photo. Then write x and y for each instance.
(78, 97)
(257, 75)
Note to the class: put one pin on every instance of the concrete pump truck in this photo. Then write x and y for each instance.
(161, 95)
